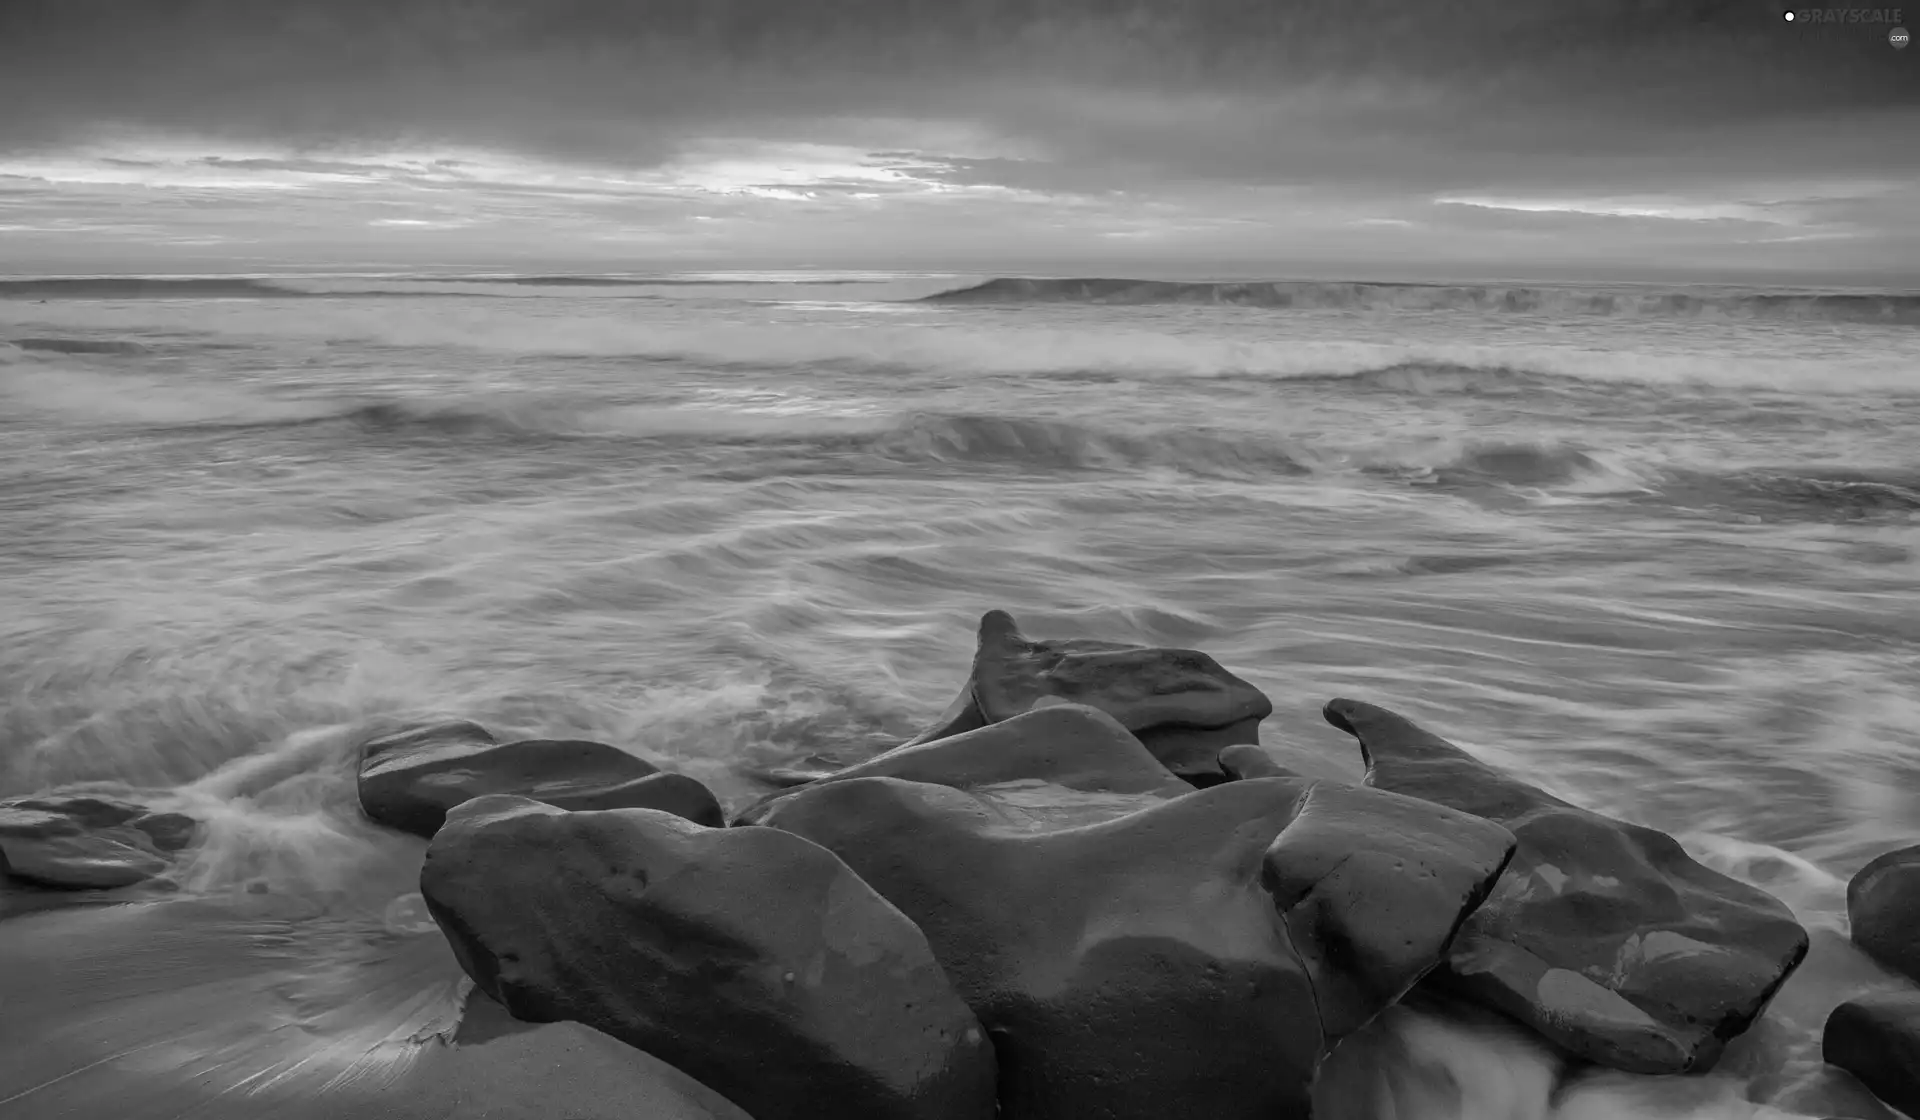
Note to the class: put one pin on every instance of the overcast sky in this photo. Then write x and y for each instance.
(1419, 137)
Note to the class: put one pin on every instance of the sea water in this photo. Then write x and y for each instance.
(1653, 550)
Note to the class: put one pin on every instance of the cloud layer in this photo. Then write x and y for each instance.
(907, 133)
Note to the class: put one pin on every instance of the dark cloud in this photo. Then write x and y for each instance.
(1260, 89)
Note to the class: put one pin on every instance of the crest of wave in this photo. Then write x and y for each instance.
(968, 343)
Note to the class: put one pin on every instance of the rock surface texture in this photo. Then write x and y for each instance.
(749, 958)
(88, 841)
(1062, 762)
(1603, 936)
(1883, 910)
(1196, 958)
(411, 778)
(1877, 1039)
(1179, 702)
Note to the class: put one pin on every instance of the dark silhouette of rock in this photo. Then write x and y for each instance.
(1876, 1038)
(752, 960)
(1195, 958)
(1067, 763)
(411, 778)
(1181, 703)
(1883, 910)
(1603, 936)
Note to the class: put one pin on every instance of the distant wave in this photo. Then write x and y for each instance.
(141, 287)
(78, 345)
(181, 287)
(1314, 295)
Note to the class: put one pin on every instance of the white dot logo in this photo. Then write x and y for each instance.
(1789, 15)
(1898, 37)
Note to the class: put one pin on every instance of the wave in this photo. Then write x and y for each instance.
(77, 345)
(142, 287)
(295, 287)
(1889, 307)
(939, 344)
(837, 443)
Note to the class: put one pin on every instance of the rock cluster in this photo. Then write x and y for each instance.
(1087, 892)
(1876, 1037)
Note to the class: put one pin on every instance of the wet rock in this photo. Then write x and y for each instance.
(411, 778)
(748, 958)
(1181, 703)
(1603, 936)
(169, 832)
(1883, 909)
(1195, 958)
(50, 849)
(1877, 1039)
(1065, 763)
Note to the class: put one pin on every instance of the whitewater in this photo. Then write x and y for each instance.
(1655, 550)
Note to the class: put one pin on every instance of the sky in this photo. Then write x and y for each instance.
(1420, 138)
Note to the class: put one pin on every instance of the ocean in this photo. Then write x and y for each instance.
(1657, 550)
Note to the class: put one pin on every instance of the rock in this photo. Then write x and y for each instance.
(1883, 909)
(1244, 760)
(1181, 703)
(748, 958)
(1166, 963)
(1603, 936)
(169, 832)
(410, 779)
(1064, 763)
(49, 848)
(1877, 1039)
(88, 811)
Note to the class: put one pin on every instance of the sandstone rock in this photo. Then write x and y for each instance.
(1065, 763)
(1603, 936)
(1195, 958)
(748, 958)
(411, 778)
(1883, 909)
(1877, 1039)
(1181, 703)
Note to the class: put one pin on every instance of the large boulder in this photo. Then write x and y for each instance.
(1063, 763)
(88, 841)
(1179, 702)
(410, 779)
(1603, 936)
(1195, 958)
(1877, 1039)
(749, 958)
(1883, 910)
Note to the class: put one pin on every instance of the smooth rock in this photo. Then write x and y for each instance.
(410, 779)
(1883, 910)
(1180, 703)
(89, 861)
(1165, 964)
(1877, 1039)
(1245, 760)
(1071, 759)
(1603, 936)
(169, 832)
(42, 846)
(748, 958)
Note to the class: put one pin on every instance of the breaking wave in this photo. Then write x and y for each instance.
(1886, 307)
